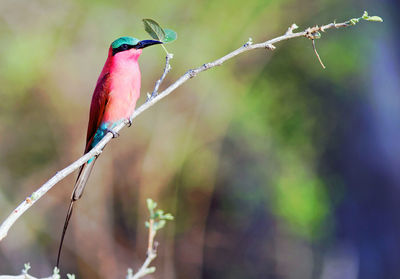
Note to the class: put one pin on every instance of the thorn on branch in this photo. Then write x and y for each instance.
(270, 46)
(291, 28)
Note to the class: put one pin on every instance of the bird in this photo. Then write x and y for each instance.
(114, 99)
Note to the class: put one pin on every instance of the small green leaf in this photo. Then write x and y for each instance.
(170, 35)
(130, 273)
(56, 273)
(159, 213)
(27, 266)
(154, 29)
(70, 276)
(168, 216)
(365, 15)
(151, 204)
(151, 269)
(374, 18)
(160, 224)
(354, 21)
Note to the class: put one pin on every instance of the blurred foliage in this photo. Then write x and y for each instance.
(268, 163)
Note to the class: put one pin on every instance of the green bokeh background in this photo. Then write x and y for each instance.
(253, 158)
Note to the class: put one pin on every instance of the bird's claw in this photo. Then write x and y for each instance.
(115, 134)
(129, 122)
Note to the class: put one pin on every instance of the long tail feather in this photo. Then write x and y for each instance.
(69, 213)
(80, 184)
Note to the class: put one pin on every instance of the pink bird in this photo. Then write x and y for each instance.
(114, 100)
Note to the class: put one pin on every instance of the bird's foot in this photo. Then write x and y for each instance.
(115, 134)
(129, 121)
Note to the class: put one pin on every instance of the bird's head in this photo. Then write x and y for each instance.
(129, 47)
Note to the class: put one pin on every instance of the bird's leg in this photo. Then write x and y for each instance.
(115, 134)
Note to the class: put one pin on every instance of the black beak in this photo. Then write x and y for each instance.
(146, 43)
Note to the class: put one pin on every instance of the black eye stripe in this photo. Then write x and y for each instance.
(122, 47)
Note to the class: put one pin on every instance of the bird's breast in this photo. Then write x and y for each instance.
(124, 92)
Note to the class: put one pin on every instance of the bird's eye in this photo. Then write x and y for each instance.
(124, 46)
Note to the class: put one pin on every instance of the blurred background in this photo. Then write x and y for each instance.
(272, 166)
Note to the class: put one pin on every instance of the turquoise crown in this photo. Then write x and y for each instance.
(124, 40)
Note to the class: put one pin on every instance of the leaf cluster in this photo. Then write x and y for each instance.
(158, 33)
(366, 17)
(158, 217)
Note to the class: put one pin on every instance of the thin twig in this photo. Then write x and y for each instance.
(151, 254)
(167, 68)
(316, 53)
(28, 202)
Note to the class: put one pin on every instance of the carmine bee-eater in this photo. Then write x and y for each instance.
(114, 100)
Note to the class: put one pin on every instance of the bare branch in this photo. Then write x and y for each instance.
(29, 201)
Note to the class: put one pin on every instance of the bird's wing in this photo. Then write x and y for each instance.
(97, 108)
